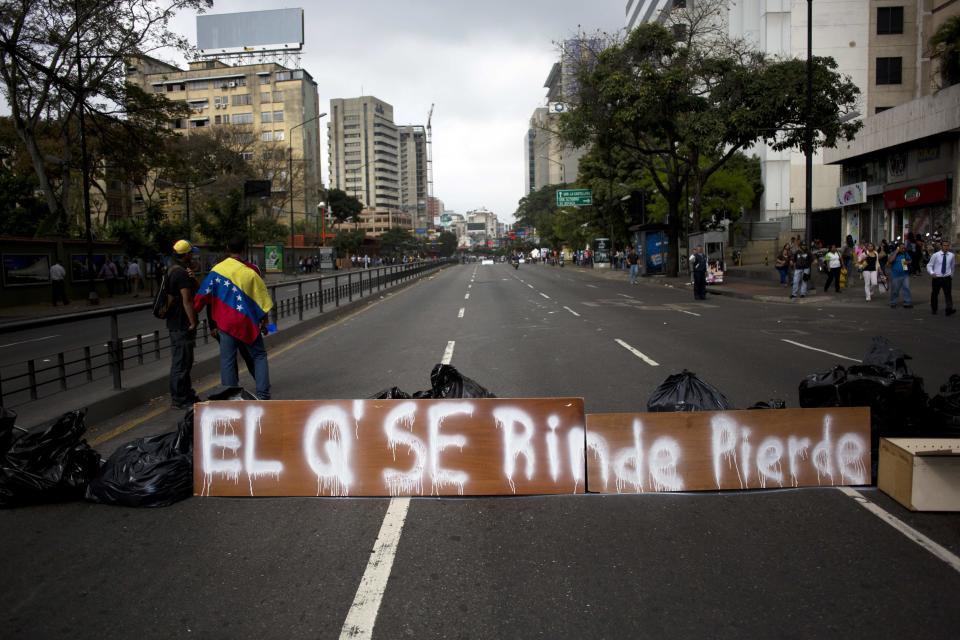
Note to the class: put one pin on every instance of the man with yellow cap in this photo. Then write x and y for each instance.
(182, 325)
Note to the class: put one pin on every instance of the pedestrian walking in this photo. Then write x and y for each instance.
(182, 325)
(109, 274)
(833, 260)
(801, 271)
(634, 261)
(868, 264)
(782, 264)
(698, 265)
(133, 277)
(899, 263)
(941, 267)
(57, 279)
(239, 305)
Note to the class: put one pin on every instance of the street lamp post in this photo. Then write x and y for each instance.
(290, 177)
(808, 142)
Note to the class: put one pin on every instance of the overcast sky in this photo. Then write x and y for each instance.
(482, 62)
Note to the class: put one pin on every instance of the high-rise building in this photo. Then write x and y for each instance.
(413, 175)
(547, 159)
(643, 11)
(364, 150)
(263, 103)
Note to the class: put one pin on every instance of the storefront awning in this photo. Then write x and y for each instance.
(916, 195)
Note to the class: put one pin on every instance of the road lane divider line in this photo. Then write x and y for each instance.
(572, 311)
(592, 286)
(676, 308)
(462, 309)
(626, 296)
(466, 297)
(362, 615)
(13, 344)
(829, 353)
(448, 353)
(530, 285)
(545, 296)
(912, 534)
(649, 361)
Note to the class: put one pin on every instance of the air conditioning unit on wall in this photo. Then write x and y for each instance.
(232, 84)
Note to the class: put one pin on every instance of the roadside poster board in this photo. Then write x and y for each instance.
(487, 446)
(711, 450)
(273, 258)
(20, 269)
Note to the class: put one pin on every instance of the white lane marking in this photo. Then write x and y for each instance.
(592, 286)
(689, 313)
(366, 603)
(652, 363)
(460, 315)
(448, 353)
(13, 344)
(572, 311)
(545, 296)
(530, 285)
(625, 295)
(901, 526)
(829, 353)
(469, 286)
(466, 297)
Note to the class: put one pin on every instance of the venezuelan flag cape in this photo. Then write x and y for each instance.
(238, 299)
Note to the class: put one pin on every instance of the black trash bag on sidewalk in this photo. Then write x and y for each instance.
(944, 410)
(684, 391)
(447, 382)
(155, 471)
(8, 427)
(393, 393)
(773, 403)
(883, 354)
(232, 393)
(822, 389)
(49, 464)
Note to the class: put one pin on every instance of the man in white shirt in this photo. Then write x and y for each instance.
(941, 267)
(57, 275)
(133, 277)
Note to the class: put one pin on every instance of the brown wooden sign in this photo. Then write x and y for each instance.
(389, 447)
(641, 452)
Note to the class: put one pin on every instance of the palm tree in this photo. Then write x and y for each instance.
(945, 45)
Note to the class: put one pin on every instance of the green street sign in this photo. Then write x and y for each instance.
(574, 197)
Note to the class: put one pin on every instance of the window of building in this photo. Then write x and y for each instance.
(175, 87)
(198, 85)
(278, 135)
(241, 99)
(159, 88)
(241, 81)
(298, 74)
(278, 116)
(266, 116)
(177, 124)
(282, 75)
(196, 124)
(266, 136)
(265, 96)
(881, 109)
(216, 120)
(246, 155)
(889, 20)
(243, 118)
(264, 79)
(278, 96)
(889, 70)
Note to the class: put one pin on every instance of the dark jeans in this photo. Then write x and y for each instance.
(700, 285)
(833, 276)
(59, 292)
(229, 347)
(182, 344)
(783, 271)
(946, 284)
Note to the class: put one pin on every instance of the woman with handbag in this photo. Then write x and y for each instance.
(868, 262)
(834, 264)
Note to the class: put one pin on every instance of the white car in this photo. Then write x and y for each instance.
(487, 261)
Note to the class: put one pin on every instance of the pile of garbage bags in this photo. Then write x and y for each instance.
(684, 391)
(445, 382)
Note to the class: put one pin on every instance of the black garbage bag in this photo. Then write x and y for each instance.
(684, 391)
(49, 464)
(883, 354)
(232, 393)
(155, 471)
(944, 410)
(8, 427)
(822, 389)
(393, 393)
(447, 382)
(774, 403)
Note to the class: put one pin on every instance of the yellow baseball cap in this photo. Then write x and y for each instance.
(181, 247)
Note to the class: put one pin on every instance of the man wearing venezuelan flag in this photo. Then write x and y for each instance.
(239, 307)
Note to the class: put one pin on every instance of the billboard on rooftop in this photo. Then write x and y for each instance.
(273, 30)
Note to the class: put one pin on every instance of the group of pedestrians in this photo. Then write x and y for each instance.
(885, 268)
(237, 304)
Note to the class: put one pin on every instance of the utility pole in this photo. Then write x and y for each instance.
(808, 143)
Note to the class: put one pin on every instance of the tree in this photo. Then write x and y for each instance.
(40, 66)
(680, 108)
(397, 241)
(945, 46)
(348, 241)
(448, 243)
(343, 207)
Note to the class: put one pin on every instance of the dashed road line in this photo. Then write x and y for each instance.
(544, 295)
(530, 285)
(829, 353)
(466, 297)
(362, 615)
(645, 358)
(13, 344)
(901, 526)
(625, 296)
(462, 309)
(572, 311)
(592, 286)
(448, 352)
(689, 313)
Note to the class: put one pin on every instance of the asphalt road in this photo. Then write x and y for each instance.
(791, 563)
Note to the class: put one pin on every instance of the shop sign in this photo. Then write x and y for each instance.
(852, 194)
(916, 195)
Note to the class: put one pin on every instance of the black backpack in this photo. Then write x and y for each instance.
(165, 301)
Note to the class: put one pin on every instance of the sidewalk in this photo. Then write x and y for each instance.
(762, 284)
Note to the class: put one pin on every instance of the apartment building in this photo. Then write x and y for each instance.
(413, 176)
(374, 222)
(364, 151)
(269, 103)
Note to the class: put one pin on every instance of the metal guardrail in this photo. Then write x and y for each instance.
(38, 378)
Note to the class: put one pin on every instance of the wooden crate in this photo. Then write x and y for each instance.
(922, 474)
